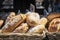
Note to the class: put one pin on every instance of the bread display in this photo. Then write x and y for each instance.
(24, 23)
(43, 21)
(23, 28)
(12, 14)
(1, 22)
(13, 23)
(33, 19)
(54, 25)
(37, 29)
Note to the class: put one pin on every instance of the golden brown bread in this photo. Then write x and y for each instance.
(37, 29)
(1, 22)
(33, 19)
(12, 14)
(23, 28)
(54, 25)
(43, 21)
(13, 23)
(52, 16)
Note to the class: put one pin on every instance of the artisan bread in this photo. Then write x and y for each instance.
(32, 19)
(23, 28)
(12, 14)
(52, 16)
(13, 23)
(37, 29)
(54, 25)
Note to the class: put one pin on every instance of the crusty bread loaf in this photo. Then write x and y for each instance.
(1, 22)
(23, 28)
(12, 14)
(43, 21)
(37, 29)
(54, 25)
(13, 23)
(52, 16)
(32, 19)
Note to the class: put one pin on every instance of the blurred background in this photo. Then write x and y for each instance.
(43, 7)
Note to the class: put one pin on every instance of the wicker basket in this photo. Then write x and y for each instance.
(21, 36)
(53, 36)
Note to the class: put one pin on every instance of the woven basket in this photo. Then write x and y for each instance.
(21, 36)
(53, 36)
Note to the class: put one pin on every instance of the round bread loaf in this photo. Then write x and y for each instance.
(54, 25)
(33, 19)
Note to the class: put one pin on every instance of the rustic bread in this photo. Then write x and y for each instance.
(23, 28)
(12, 14)
(52, 16)
(54, 25)
(37, 29)
(13, 23)
(32, 19)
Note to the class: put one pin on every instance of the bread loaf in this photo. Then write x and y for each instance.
(12, 14)
(33, 19)
(13, 23)
(37, 29)
(54, 25)
(23, 28)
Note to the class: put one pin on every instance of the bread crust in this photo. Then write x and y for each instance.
(54, 25)
(23, 28)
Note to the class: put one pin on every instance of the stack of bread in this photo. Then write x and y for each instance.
(24, 23)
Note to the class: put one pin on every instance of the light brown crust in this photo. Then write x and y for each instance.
(54, 25)
(43, 21)
(23, 28)
(37, 29)
(12, 14)
(1, 22)
(52, 16)
(13, 23)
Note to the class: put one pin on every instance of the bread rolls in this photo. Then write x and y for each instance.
(43, 21)
(12, 14)
(54, 25)
(13, 23)
(32, 19)
(23, 28)
(37, 29)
